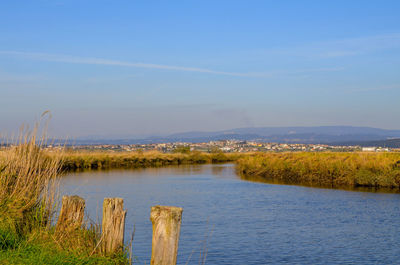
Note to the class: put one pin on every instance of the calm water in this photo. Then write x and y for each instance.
(249, 222)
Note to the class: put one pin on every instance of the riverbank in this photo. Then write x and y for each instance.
(29, 181)
(41, 248)
(332, 170)
(81, 160)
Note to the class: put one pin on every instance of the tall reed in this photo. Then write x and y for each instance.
(28, 182)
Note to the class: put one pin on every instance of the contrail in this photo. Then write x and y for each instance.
(99, 61)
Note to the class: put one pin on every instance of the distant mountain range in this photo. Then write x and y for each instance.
(391, 143)
(335, 135)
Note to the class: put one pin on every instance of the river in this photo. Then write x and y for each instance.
(246, 222)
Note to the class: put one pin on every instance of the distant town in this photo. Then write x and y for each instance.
(226, 146)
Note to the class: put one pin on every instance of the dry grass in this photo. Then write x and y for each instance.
(28, 184)
(379, 170)
(79, 160)
(29, 180)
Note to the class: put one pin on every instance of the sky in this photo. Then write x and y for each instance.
(140, 68)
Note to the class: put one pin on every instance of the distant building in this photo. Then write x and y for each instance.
(385, 149)
(369, 149)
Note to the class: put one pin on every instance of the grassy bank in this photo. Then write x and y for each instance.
(333, 170)
(79, 160)
(45, 248)
(28, 203)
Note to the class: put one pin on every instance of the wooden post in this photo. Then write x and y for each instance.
(166, 222)
(113, 226)
(71, 214)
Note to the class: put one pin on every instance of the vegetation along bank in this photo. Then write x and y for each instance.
(80, 160)
(332, 170)
(28, 204)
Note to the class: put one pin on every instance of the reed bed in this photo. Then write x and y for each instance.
(28, 184)
(333, 170)
(80, 160)
(29, 180)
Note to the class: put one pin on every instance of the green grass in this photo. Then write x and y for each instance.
(333, 170)
(15, 249)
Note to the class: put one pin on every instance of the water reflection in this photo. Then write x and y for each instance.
(278, 182)
(252, 223)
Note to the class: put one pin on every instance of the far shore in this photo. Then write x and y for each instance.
(319, 169)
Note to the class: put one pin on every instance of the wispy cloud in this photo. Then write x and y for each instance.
(298, 72)
(360, 45)
(100, 61)
(345, 47)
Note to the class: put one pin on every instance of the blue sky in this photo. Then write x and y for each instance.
(134, 68)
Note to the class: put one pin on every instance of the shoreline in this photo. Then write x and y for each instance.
(325, 170)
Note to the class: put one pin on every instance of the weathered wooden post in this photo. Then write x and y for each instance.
(71, 214)
(113, 226)
(166, 222)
